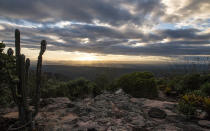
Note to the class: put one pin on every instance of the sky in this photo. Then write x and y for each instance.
(108, 30)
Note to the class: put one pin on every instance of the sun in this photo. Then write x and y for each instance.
(87, 58)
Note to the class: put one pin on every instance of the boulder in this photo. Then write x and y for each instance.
(157, 113)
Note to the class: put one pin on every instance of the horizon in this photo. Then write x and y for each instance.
(105, 31)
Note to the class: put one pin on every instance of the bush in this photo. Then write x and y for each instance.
(205, 78)
(189, 103)
(167, 90)
(176, 84)
(52, 88)
(102, 81)
(186, 83)
(191, 82)
(8, 76)
(5, 97)
(206, 104)
(192, 101)
(138, 84)
(81, 88)
(186, 108)
(205, 89)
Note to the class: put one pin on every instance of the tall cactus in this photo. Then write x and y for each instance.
(22, 70)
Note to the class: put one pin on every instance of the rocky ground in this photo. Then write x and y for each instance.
(112, 112)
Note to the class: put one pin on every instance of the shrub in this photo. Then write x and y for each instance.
(205, 78)
(186, 83)
(7, 76)
(197, 93)
(193, 99)
(205, 89)
(186, 108)
(138, 84)
(176, 84)
(102, 81)
(113, 86)
(189, 103)
(81, 88)
(206, 104)
(167, 90)
(191, 82)
(5, 97)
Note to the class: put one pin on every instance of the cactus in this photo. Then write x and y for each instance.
(20, 90)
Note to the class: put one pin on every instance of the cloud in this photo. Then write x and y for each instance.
(104, 11)
(130, 27)
(187, 12)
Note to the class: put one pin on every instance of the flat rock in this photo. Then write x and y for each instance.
(204, 123)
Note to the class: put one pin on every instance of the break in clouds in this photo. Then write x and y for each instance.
(122, 27)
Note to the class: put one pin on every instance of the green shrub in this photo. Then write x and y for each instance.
(186, 83)
(192, 101)
(138, 84)
(167, 90)
(102, 81)
(205, 89)
(176, 84)
(191, 82)
(8, 76)
(5, 97)
(189, 103)
(81, 88)
(186, 108)
(197, 93)
(205, 78)
(206, 103)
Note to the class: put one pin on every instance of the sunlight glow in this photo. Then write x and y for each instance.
(87, 58)
(2, 27)
(60, 55)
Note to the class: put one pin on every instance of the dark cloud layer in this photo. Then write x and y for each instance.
(105, 26)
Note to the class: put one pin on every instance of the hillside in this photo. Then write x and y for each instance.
(111, 112)
(91, 72)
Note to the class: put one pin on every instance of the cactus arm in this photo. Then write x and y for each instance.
(17, 42)
(27, 73)
(38, 76)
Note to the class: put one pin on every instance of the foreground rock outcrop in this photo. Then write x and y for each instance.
(113, 112)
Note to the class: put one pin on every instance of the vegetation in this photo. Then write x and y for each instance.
(7, 77)
(138, 84)
(14, 72)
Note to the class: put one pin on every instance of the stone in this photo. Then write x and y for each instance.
(119, 91)
(157, 113)
(202, 115)
(204, 123)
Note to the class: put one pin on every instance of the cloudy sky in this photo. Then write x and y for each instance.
(108, 30)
